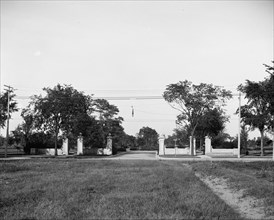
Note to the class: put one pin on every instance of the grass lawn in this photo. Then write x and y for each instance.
(73, 189)
(256, 178)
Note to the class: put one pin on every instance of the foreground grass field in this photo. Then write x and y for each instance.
(58, 189)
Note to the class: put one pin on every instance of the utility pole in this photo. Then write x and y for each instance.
(239, 134)
(9, 89)
(273, 143)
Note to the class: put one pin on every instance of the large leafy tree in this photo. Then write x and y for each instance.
(58, 109)
(148, 138)
(26, 129)
(256, 113)
(91, 130)
(129, 141)
(109, 121)
(270, 97)
(212, 122)
(193, 101)
(4, 106)
(181, 135)
(223, 140)
(269, 91)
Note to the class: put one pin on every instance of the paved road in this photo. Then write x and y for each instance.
(148, 155)
(137, 155)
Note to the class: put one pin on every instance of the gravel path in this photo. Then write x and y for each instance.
(248, 207)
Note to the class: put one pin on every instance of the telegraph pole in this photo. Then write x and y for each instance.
(239, 134)
(273, 143)
(9, 89)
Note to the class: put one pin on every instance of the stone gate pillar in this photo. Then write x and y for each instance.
(65, 147)
(208, 147)
(108, 150)
(161, 141)
(80, 145)
(190, 144)
(194, 146)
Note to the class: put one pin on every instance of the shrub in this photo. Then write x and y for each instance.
(41, 141)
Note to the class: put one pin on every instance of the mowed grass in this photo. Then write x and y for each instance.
(80, 189)
(255, 178)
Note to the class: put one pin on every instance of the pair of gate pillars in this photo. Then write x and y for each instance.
(103, 151)
(162, 147)
(79, 146)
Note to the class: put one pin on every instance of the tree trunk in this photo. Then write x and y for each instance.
(262, 142)
(55, 145)
(27, 145)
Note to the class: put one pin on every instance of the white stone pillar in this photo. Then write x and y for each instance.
(65, 147)
(108, 150)
(161, 141)
(190, 144)
(208, 147)
(194, 146)
(80, 145)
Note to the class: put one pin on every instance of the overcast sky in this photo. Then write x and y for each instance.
(127, 48)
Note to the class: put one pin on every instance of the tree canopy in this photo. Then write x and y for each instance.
(59, 108)
(147, 138)
(109, 121)
(269, 92)
(212, 122)
(64, 111)
(258, 112)
(4, 106)
(193, 101)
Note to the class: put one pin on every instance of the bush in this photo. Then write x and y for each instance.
(41, 141)
(225, 145)
(2, 140)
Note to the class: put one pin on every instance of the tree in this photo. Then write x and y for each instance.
(109, 121)
(171, 140)
(25, 129)
(212, 122)
(129, 141)
(256, 112)
(58, 109)
(266, 141)
(182, 138)
(4, 105)
(270, 97)
(89, 128)
(193, 101)
(2, 140)
(148, 138)
(223, 140)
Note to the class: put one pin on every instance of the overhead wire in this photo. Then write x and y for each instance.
(136, 98)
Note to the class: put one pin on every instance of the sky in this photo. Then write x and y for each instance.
(134, 48)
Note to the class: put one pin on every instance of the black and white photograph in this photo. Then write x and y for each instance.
(134, 109)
